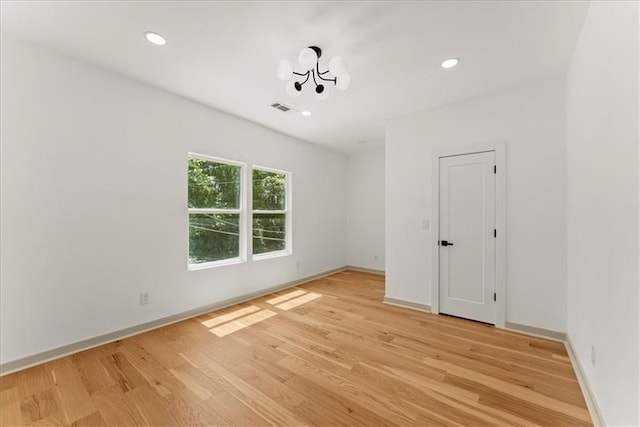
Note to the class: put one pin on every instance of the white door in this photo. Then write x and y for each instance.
(466, 245)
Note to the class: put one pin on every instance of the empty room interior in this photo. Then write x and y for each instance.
(320, 213)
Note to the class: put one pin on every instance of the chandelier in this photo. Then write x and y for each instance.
(309, 60)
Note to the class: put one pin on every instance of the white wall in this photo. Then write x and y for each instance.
(532, 121)
(365, 210)
(603, 237)
(94, 202)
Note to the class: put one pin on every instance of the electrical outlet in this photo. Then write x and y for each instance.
(426, 224)
(144, 298)
(593, 355)
(298, 265)
(375, 258)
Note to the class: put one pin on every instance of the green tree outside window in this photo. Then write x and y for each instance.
(269, 211)
(214, 194)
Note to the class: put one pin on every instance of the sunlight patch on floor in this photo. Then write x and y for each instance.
(229, 316)
(287, 296)
(241, 318)
(236, 325)
(298, 301)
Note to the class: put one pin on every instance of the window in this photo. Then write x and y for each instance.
(215, 211)
(218, 221)
(271, 218)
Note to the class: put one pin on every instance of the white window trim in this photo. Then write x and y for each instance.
(219, 263)
(269, 255)
(288, 250)
(215, 159)
(241, 211)
(215, 211)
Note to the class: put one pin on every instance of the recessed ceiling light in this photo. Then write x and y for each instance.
(306, 113)
(450, 63)
(155, 38)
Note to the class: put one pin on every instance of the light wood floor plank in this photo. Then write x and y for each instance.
(234, 412)
(151, 407)
(70, 391)
(41, 406)
(115, 408)
(328, 352)
(10, 412)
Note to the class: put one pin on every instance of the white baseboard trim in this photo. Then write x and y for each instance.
(536, 332)
(65, 350)
(589, 396)
(365, 270)
(407, 304)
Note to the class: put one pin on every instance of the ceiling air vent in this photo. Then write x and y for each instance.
(280, 107)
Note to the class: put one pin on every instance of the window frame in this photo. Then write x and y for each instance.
(241, 211)
(288, 250)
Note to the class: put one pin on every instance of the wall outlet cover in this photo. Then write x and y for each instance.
(144, 298)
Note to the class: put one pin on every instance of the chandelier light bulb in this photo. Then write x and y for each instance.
(336, 66)
(285, 70)
(343, 81)
(307, 59)
(294, 89)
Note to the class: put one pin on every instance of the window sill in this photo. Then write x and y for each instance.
(270, 255)
(214, 264)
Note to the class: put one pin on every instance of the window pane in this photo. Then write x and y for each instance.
(269, 233)
(269, 190)
(213, 237)
(213, 185)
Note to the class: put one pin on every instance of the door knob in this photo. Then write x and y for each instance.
(445, 243)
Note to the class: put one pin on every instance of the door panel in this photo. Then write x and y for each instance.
(467, 222)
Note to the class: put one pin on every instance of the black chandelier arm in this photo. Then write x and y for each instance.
(305, 74)
(314, 78)
(328, 80)
(334, 80)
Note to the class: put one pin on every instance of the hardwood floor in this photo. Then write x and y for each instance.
(325, 353)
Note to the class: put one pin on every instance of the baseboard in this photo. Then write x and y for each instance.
(56, 353)
(365, 270)
(536, 332)
(407, 304)
(589, 396)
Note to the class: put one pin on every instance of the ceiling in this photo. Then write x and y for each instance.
(224, 54)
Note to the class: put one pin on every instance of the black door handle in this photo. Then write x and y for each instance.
(445, 243)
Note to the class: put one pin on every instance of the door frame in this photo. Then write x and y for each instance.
(499, 147)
